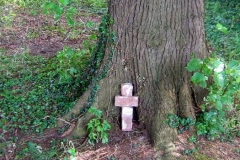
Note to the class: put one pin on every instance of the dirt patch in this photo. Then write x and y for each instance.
(122, 145)
(38, 35)
(206, 149)
(135, 145)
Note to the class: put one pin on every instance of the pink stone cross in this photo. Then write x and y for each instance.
(127, 102)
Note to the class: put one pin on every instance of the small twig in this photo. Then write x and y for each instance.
(83, 144)
(130, 143)
(5, 153)
(65, 121)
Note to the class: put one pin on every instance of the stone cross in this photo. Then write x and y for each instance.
(127, 102)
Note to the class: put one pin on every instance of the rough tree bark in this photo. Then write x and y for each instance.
(155, 39)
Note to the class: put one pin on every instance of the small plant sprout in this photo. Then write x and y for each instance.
(97, 127)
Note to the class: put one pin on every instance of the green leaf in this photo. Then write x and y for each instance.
(71, 10)
(99, 128)
(208, 116)
(95, 111)
(71, 151)
(219, 68)
(214, 63)
(201, 129)
(64, 2)
(70, 22)
(92, 135)
(104, 134)
(89, 24)
(234, 69)
(93, 37)
(203, 84)
(105, 140)
(73, 71)
(96, 122)
(221, 28)
(219, 79)
(206, 70)
(192, 139)
(46, 7)
(105, 125)
(233, 64)
(56, 18)
(219, 105)
(89, 126)
(200, 79)
(194, 65)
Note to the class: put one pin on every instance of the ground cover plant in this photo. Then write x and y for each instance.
(36, 90)
(225, 13)
(52, 84)
(219, 74)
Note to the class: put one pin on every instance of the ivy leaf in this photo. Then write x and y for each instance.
(56, 18)
(73, 71)
(72, 10)
(64, 2)
(57, 9)
(194, 65)
(208, 116)
(46, 6)
(92, 37)
(89, 24)
(106, 125)
(201, 129)
(70, 22)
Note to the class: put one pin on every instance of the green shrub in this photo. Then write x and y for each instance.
(224, 93)
(226, 13)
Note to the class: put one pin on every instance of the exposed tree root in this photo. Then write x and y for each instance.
(104, 102)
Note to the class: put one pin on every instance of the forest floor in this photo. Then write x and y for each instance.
(37, 35)
(136, 145)
(129, 146)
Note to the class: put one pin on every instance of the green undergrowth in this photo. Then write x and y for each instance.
(33, 93)
(219, 74)
(34, 7)
(226, 13)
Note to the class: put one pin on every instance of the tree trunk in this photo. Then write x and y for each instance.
(155, 40)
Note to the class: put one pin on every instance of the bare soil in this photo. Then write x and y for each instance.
(136, 145)
(38, 35)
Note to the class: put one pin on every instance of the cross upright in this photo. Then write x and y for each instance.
(127, 102)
